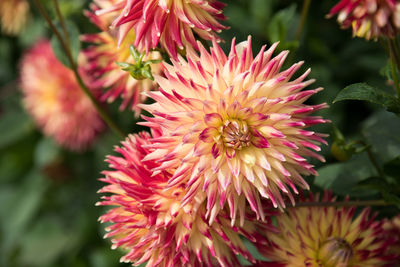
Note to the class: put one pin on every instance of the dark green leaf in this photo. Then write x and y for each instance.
(392, 168)
(46, 152)
(382, 131)
(342, 178)
(74, 43)
(18, 125)
(279, 24)
(362, 91)
(392, 199)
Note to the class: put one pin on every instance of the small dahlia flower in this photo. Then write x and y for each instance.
(326, 237)
(369, 19)
(234, 127)
(101, 68)
(13, 15)
(55, 100)
(151, 223)
(172, 23)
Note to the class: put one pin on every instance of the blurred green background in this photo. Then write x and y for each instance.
(47, 194)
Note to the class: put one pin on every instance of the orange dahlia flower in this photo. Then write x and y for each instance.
(55, 100)
(327, 237)
(13, 15)
(101, 68)
(154, 226)
(370, 19)
(172, 23)
(234, 127)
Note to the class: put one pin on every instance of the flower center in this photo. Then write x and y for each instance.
(335, 252)
(236, 134)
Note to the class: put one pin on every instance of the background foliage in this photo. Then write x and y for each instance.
(47, 212)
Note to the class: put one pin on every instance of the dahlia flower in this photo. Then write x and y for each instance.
(369, 19)
(55, 100)
(101, 68)
(392, 231)
(154, 226)
(326, 237)
(172, 23)
(13, 15)
(234, 127)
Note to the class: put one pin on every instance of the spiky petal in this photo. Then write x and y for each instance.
(101, 69)
(171, 23)
(13, 15)
(152, 223)
(369, 19)
(327, 237)
(235, 127)
(55, 100)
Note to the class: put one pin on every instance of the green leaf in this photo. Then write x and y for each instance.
(46, 152)
(279, 24)
(392, 168)
(342, 178)
(365, 92)
(15, 125)
(74, 43)
(392, 199)
(382, 131)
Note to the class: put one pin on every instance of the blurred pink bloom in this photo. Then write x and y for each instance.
(370, 19)
(234, 127)
(55, 100)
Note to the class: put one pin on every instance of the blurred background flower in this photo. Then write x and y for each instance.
(55, 100)
(13, 15)
(369, 19)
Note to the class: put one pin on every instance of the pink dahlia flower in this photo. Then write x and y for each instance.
(327, 237)
(172, 23)
(55, 100)
(13, 15)
(101, 68)
(370, 19)
(234, 127)
(151, 223)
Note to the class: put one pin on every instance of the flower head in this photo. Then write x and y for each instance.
(370, 19)
(13, 15)
(234, 127)
(172, 23)
(150, 222)
(392, 231)
(55, 100)
(327, 237)
(101, 58)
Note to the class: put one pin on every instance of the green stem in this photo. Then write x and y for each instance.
(395, 63)
(61, 18)
(371, 158)
(300, 28)
(342, 203)
(304, 14)
(74, 68)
